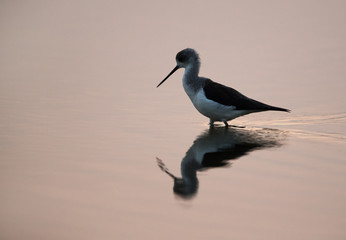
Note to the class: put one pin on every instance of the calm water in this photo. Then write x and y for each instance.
(90, 149)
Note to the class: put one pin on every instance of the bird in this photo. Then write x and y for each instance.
(217, 102)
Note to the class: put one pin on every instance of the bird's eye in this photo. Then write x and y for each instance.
(181, 57)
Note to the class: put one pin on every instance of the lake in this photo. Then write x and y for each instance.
(91, 149)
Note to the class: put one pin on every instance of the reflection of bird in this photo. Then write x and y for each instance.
(214, 148)
(213, 100)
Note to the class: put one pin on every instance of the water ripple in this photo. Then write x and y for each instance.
(319, 127)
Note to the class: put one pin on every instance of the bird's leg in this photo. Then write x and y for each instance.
(226, 124)
(211, 123)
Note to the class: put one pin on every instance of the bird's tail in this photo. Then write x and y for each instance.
(272, 108)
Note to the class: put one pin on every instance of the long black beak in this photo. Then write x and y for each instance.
(174, 69)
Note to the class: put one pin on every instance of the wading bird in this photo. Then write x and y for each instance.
(214, 100)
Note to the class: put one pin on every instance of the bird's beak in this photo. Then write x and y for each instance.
(174, 69)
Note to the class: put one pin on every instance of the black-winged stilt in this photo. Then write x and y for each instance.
(214, 100)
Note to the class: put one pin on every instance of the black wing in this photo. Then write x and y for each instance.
(231, 97)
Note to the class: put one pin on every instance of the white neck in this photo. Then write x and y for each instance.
(191, 73)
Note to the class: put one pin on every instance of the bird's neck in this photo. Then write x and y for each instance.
(190, 77)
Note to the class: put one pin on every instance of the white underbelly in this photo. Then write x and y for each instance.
(213, 110)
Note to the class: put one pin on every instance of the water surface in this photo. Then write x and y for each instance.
(90, 149)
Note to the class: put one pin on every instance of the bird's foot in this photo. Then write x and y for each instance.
(234, 126)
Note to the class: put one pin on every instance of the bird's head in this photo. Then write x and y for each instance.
(183, 58)
(186, 57)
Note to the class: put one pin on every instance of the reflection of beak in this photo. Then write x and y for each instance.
(163, 167)
(174, 69)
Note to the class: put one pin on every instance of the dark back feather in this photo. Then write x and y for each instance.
(231, 97)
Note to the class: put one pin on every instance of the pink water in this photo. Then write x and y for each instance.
(82, 123)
